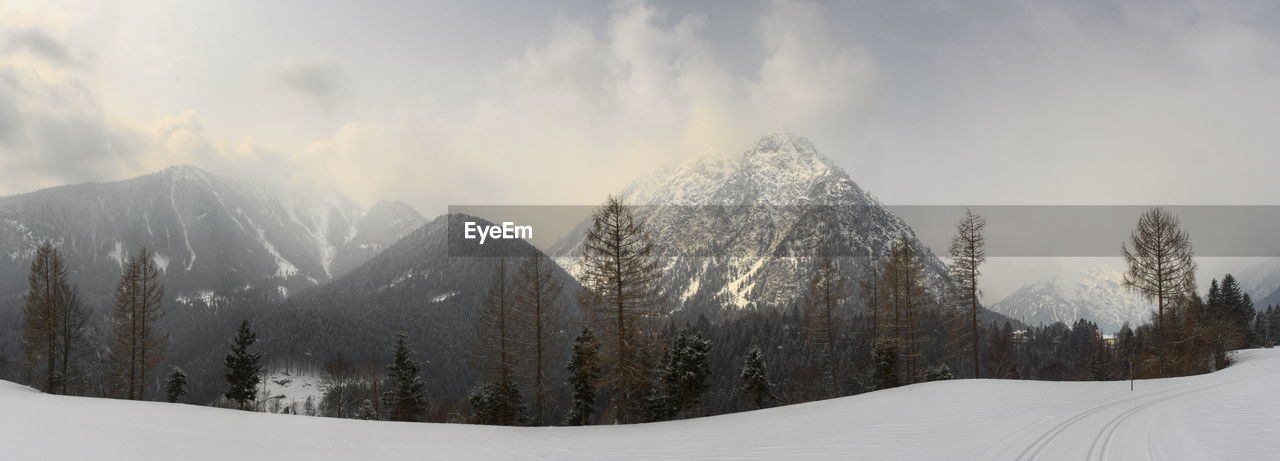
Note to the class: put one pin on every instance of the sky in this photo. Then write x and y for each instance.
(539, 102)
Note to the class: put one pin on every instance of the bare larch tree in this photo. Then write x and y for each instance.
(495, 329)
(538, 294)
(136, 346)
(45, 319)
(827, 291)
(620, 288)
(967, 254)
(1161, 262)
(903, 294)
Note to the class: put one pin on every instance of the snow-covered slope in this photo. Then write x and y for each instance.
(1224, 415)
(1095, 294)
(746, 226)
(214, 238)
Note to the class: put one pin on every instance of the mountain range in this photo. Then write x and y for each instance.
(1096, 294)
(213, 238)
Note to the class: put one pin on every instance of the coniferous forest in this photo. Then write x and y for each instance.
(542, 348)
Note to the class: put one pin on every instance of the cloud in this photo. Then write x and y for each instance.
(39, 43)
(322, 81)
(599, 103)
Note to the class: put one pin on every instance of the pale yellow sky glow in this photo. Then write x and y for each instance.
(564, 102)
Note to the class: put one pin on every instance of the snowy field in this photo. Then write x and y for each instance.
(1231, 414)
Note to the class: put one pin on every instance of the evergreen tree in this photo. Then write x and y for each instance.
(176, 385)
(498, 403)
(684, 374)
(885, 362)
(407, 397)
(938, 373)
(755, 380)
(620, 287)
(584, 370)
(243, 368)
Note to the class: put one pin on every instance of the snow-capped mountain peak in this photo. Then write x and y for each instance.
(786, 199)
(1096, 294)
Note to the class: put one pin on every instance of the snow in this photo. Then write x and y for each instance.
(1096, 294)
(293, 387)
(161, 262)
(173, 202)
(1225, 415)
(117, 254)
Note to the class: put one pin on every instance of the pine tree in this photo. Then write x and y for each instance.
(967, 254)
(176, 385)
(136, 347)
(538, 294)
(1001, 362)
(938, 373)
(243, 368)
(755, 380)
(827, 292)
(1099, 365)
(884, 359)
(684, 375)
(407, 397)
(620, 286)
(584, 370)
(497, 403)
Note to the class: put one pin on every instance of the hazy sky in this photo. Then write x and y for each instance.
(530, 102)
(562, 102)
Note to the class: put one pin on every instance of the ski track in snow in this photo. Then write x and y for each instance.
(1229, 414)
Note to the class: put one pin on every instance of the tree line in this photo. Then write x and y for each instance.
(629, 361)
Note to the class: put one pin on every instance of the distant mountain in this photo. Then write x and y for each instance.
(746, 227)
(213, 238)
(1262, 282)
(415, 285)
(1095, 294)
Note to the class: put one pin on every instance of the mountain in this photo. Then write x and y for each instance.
(1095, 294)
(225, 248)
(742, 230)
(1262, 282)
(415, 285)
(213, 238)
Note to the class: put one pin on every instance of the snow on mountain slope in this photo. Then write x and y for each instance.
(1095, 294)
(1224, 415)
(213, 237)
(745, 227)
(1262, 282)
